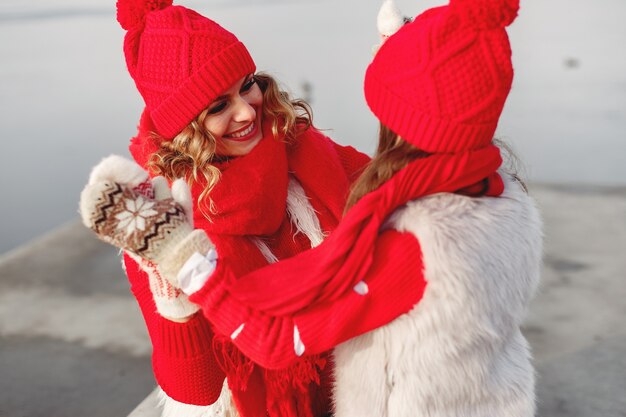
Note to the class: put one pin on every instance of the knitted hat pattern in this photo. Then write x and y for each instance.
(441, 81)
(180, 60)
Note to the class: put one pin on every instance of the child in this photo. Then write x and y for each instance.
(265, 185)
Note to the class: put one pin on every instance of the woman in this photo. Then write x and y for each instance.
(265, 185)
(423, 286)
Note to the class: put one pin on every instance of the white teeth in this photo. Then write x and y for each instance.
(243, 133)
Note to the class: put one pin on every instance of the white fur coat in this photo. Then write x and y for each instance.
(459, 352)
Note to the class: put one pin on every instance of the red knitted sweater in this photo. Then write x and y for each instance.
(396, 275)
(184, 363)
(357, 280)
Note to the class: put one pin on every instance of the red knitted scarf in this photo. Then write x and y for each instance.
(339, 263)
(250, 200)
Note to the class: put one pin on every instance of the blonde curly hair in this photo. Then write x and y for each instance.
(192, 153)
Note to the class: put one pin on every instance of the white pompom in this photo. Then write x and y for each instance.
(390, 20)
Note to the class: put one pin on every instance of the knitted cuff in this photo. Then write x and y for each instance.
(173, 259)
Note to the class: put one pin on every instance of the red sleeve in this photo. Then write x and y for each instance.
(183, 361)
(353, 161)
(392, 287)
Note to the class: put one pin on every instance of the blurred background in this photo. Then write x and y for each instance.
(70, 333)
(66, 99)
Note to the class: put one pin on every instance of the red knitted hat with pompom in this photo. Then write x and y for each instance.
(441, 81)
(180, 61)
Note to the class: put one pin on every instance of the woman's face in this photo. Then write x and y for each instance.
(234, 118)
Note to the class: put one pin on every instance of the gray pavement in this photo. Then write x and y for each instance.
(576, 322)
(72, 341)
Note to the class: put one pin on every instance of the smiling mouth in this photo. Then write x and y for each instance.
(240, 134)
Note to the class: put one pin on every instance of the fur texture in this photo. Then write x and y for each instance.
(119, 169)
(223, 407)
(389, 19)
(459, 351)
(182, 195)
(302, 214)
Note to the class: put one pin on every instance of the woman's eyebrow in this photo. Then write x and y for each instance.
(225, 96)
(220, 98)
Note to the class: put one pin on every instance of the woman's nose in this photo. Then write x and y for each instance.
(243, 111)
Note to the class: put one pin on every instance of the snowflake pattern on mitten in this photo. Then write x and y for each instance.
(146, 218)
(130, 220)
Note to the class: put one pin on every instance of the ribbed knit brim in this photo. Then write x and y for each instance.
(428, 133)
(201, 88)
(181, 62)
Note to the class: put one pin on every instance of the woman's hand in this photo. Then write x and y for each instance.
(128, 210)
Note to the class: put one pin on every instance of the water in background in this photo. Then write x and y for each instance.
(66, 99)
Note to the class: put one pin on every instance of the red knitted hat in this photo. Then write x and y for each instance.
(180, 61)
(441, 81)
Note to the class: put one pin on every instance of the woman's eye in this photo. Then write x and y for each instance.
(217, 108)
(248, 85)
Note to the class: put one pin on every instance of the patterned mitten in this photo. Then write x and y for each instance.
(118, 205)
(170, 301)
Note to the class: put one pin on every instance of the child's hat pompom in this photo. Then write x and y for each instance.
(389, 19)
(131, 13)
(487, 14)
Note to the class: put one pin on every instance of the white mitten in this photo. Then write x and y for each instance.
(141, 218)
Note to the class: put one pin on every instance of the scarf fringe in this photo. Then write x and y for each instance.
(235, 365)
(289, 390)
(299, 376)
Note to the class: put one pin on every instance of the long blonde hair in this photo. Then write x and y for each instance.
(191, 153)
